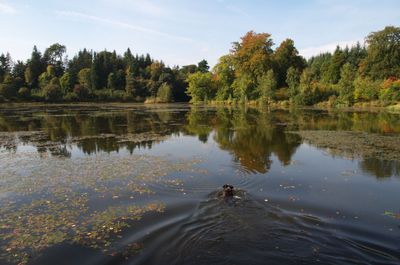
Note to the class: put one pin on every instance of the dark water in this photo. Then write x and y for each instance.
(133, 184)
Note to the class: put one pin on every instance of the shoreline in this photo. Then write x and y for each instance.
(367, 106)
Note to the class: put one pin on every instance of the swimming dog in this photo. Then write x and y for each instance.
(227, 191)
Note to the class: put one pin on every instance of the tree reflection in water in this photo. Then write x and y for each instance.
(250, 135)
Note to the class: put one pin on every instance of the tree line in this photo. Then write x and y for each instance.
(254, 71)
(92, 76)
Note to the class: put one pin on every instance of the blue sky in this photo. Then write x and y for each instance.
(185, 31)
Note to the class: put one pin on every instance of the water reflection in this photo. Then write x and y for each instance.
(250, 135)
(90, 185)
(380, 168)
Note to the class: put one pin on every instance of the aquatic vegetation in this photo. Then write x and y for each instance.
(109, 182)
(126, 138)
(392, 214)
(355, 144)
(54, 200)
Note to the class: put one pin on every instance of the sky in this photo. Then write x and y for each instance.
(182, 32)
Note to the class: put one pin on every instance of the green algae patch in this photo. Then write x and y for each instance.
(86, 200)
(43, 141)
(353, 144)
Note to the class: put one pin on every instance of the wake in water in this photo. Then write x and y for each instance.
(247, 230)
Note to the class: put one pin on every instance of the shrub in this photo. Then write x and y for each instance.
(52, 92)
(164, 93)
(24, 93)
(37, 94)
(118, 95)
(282, 94)
(8, 89)
(128, 97)
(111, 95)
(81, 92)
(5, 90)
(390, 90)
(365, 89)
(71, 96)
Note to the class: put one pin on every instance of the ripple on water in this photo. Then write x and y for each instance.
(250, 231)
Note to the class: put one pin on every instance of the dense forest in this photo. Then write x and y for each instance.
(92, 76)
(253, 71)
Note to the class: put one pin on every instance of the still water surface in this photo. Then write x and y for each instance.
(135, 184)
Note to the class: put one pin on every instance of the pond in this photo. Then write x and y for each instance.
(138, 184)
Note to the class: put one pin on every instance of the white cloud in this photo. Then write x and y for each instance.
(330, 47)
(121, 24)
(7, 9)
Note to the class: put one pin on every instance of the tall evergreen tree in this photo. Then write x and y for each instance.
(36, 66)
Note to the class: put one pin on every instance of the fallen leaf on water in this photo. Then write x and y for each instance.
(392, 214)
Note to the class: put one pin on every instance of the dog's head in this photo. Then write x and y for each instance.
(228, 190)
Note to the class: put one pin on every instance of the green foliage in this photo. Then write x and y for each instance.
(80, 61)
(52, 91)
(356, 55)
(390, 90)
(319, 65)
(200, 86)
(383, 59)
(84, 78)
(267, 86)
(225, 75)
(36, 66)
(6, 90)
(332, 75)
(152, 88)
(365, 89)
(28, 74)
(71, 97)
(286, 56)
(66, 83)
(109, 95)
(53, 55)
(5, 66)
(307, 90)
(164, 93)
(252, 71)
(82, 92)
(293, 81)
(244, 87)
(46, 77)
(24, 93)
(9, 87)
(131, 86)
(202, 66)
(252, 57)
(112, 81)
(346, 85)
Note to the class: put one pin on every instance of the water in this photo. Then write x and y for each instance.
(135, 184)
